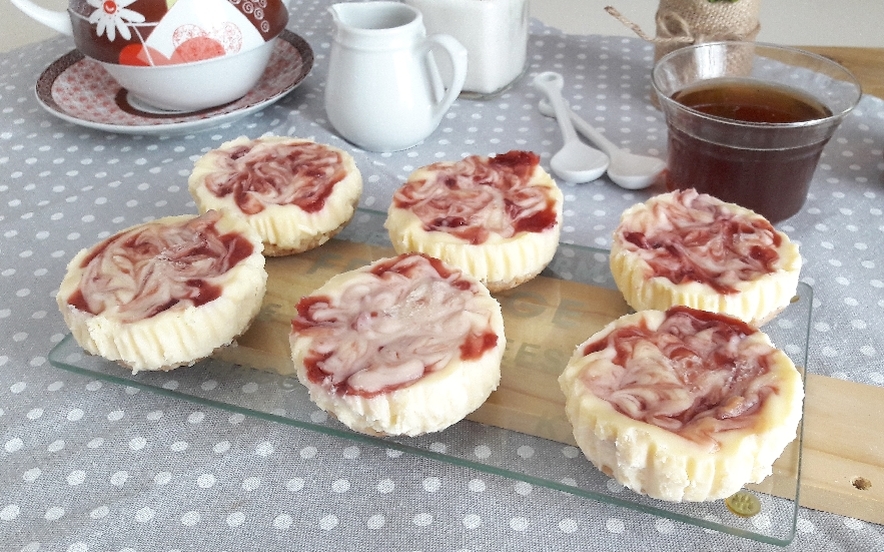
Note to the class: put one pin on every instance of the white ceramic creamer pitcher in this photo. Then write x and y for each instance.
(383, 91)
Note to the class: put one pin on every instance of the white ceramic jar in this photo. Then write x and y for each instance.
(494, 32)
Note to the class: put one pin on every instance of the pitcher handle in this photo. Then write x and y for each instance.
(458, 55)
(56, 20)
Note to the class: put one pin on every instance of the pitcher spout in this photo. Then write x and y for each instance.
(375, 16)
(336, 11)
(333, 10)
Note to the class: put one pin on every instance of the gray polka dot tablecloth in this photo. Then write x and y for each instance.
(89, 465)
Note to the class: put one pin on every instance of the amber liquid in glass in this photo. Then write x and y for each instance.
(771, 182)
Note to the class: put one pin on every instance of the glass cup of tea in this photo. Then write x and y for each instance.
(748, 121)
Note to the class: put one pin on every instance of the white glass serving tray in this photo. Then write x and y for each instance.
(521, 432)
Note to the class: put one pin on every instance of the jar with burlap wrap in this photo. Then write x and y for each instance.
(683, 22)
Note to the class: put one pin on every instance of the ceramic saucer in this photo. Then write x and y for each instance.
(80, 91)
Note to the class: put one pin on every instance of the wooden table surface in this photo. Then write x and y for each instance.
(867, 64)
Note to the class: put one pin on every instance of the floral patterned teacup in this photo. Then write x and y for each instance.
(134, 39)
(163, 32)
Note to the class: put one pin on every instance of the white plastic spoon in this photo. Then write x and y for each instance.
(627, 170)
(575, 162)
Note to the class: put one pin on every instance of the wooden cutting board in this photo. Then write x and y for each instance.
(546, 318)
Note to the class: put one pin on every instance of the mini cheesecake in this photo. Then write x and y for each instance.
(165, 293)
(496, 218)
(297, 194)
(687, 248)
(405, 346)
(682, 405)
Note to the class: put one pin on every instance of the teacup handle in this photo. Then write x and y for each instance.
(458, 55)
(57, 20)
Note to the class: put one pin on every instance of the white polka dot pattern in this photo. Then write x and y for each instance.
(93, 467)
